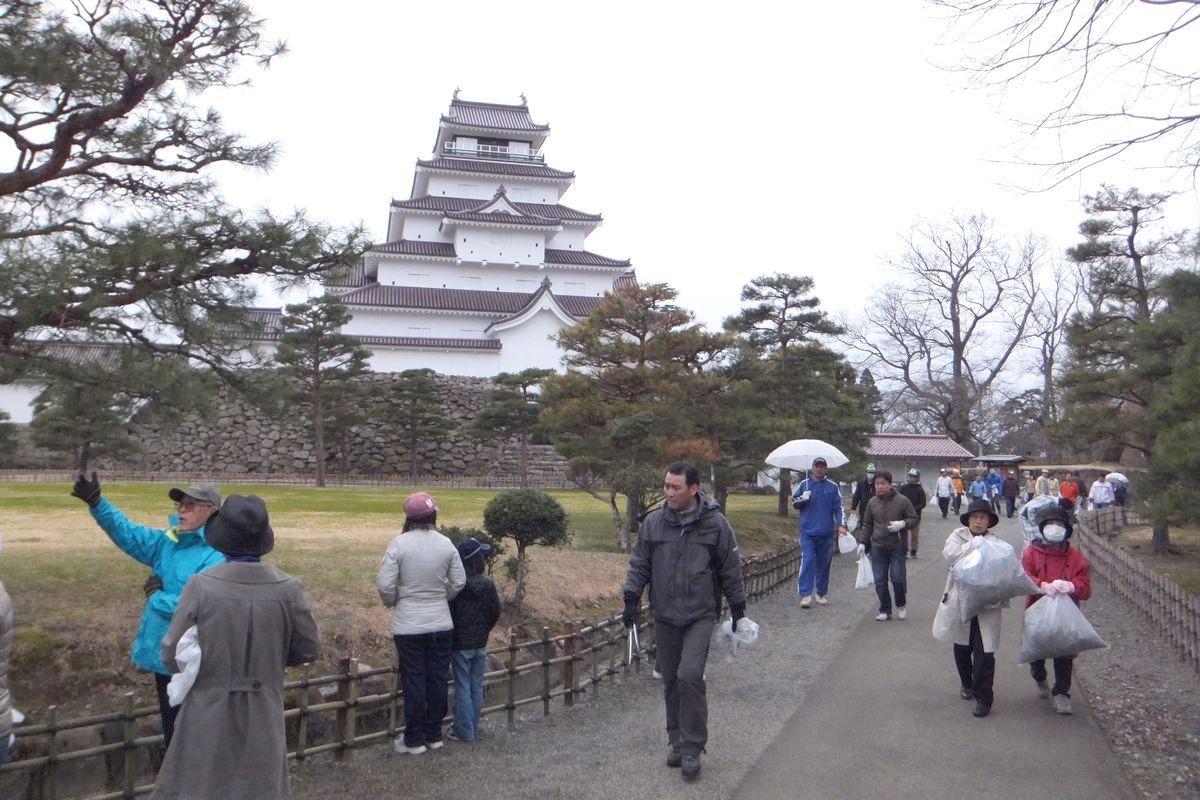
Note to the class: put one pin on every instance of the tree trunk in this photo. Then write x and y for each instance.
(522, 568)
(785, 492)
(633, 511)
(524, 460)
(1160, 540)
(622, 533)
(319, 441)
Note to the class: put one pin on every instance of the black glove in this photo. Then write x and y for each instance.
(737, 611)
(152, 584)
(632, 615)
(87, 490)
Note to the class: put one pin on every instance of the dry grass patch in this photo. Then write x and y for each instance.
(1182, 565)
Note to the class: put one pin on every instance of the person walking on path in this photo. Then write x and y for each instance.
(995, 485)
(975, 643)
(915, 492)
(1057, 568)
(1030, 487)
(979, 488)
(6, 643)
(1069, 488)
(944, 489)
(687, 551)
(1010, 489)
(173, 554)
(864, 490)
(252, 622)
(888, 515)
(1046, 485)
(1101, 494)
(420, 574)
(821, 520)
(960, 489)
(474, 612)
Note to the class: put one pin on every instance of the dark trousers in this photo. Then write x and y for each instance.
(944, 505)
(957, 503)
(682, 653)
(1011, 505)
(888, 562)
(976, 669)
(166, 711)
(425, 673)
(1062, 673)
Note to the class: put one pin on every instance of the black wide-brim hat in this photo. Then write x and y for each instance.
(977, 505)
(241, 527)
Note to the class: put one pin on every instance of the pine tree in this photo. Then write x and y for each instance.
(413, 407)
(512, 411)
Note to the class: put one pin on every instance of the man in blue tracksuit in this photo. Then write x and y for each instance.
(173, 555)
(821, 518)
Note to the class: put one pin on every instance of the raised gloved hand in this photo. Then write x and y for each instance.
(632, 614)
(152, 584)
(806, 496)
(897, 526)
(736, 612)
(1049, 589)
(87, 490)
(1064, 587)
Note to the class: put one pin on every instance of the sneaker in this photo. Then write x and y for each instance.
(822, 600)
(690, 765)
(902, 612)
(1062, 704)
(913, 554)
(656, 674)
(806, 601)
(966, 693)
(981, 710)
(402, 749)
(674, 757)
(882, 616)
(436, 745)
(1043, 689)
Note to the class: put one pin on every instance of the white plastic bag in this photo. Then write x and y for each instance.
(852, 521)
(866, 575)
(187, 656)
(1054, 627)
(988, 575)
(847, 544)
(945, 621)
(731, 641)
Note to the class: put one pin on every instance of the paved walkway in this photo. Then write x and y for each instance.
(885, 719)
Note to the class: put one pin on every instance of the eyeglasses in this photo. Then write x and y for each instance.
(187, 505)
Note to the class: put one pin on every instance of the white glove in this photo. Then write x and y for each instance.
(1049, 589)
(976, 542)
(898, 525)
(1064, 587)
(805, 496)
(861, 550)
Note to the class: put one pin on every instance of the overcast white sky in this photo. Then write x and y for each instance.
(720, 141)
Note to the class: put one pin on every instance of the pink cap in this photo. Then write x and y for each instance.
(418, 505)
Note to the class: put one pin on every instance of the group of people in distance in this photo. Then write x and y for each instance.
(207, 580)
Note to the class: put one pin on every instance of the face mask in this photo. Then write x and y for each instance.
(1054, 533)
(870, 476)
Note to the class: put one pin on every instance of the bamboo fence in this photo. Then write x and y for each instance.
(538, 672)
(1173, 612)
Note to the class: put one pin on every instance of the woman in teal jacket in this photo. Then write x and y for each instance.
(173, 555)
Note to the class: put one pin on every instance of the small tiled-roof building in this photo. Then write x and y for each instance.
(899, 452)
(483, 264)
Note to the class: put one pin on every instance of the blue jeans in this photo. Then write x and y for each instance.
(469, 666)
(889, 562)
(425, 674)
(816, 553)
(3, 748)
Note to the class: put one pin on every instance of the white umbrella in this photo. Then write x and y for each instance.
(1116, 477)
(798, 454)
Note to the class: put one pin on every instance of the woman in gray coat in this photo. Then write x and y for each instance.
(252, 622)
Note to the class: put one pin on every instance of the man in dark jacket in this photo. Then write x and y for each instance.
(1009, 489)
(915, 493)
(888, 515)
(864, 490)
(688, 554)
(475, 611)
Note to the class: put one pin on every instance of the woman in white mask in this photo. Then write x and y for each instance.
(1057, 568)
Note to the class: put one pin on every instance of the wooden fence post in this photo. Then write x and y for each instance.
(51, 784)
(130, 730)
(511, 705)
(546, 649)
(347, 712)
(569, 666)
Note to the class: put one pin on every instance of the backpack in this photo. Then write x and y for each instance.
(1121, 492)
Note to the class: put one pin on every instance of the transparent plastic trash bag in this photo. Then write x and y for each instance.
(731, 641)
(1055, 627)
(989, 575)
(865, 578)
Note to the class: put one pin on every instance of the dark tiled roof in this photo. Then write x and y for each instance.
(628, 279)
(491, 115)
(582, 258)
(495, 168)
(916, 445)
(97, 354)
(500, 303)
(501, 218)
(348, 278)
(425, 341)
(413, 247)
(266, 323)
(446, 204)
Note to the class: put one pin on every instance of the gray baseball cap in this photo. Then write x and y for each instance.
(203, 492)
